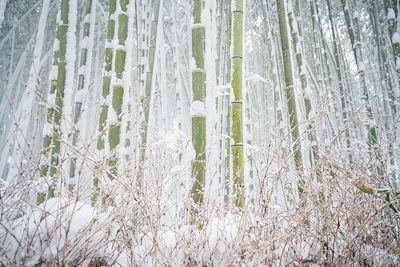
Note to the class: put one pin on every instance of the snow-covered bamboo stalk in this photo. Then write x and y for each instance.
(249, 169)
(219, 22)
(383, 73)
(326, 77)
(338, 68)
(227, 99)
(289, 87)
(318, 58)
(392, 18)
(198, 108)
(237, 102)
(219, 80)
(149, 83)
(353, 29)
(388, 81)
(59, 98)
(392, 13)
(82, 88)
(296, 33)
(325, 65)
(67, 114)
(114, 90)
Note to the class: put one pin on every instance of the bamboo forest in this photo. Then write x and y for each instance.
(199, 133)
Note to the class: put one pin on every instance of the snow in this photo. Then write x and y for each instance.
(68, 102)
(298, 47)
(170, 141)
(2, 10)
(289, 7)
(197, 26)
(390, 14)
(213, 244)
(41, 184)
(85, 43)
(57, 223)
(54, 73)
(198, 109)
(222, 90)
(86, 19)
(56, 45)
(198, 69)
(47, 130)
(80, 95)
(361, 66)
(396, 38)
(221, 234)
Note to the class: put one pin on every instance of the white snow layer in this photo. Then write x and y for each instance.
(396, 38)
(198, 109)
(390, 14)
(54, 229)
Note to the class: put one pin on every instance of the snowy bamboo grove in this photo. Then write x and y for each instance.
(199, 133)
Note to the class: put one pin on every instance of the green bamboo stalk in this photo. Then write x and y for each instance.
(106, 85)
(237, 103)
(296, 33)
(199, 96)
(113, 93)
(289, 84)
(87, 33)
(226, 100)
(52, 141)
(108, 57)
